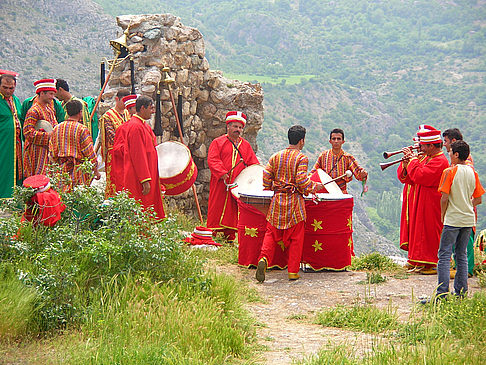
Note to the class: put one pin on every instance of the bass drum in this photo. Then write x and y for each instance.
(249, 181)
(177, 170)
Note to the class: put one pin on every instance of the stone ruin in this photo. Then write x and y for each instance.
(158, 41)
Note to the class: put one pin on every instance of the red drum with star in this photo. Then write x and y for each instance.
(328, 239)
(253, 204)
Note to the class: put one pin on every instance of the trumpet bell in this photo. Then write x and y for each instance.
(120, 45)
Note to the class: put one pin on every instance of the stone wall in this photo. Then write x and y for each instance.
(157, 41)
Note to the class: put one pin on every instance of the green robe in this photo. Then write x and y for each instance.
(27, 103)
(8, 157)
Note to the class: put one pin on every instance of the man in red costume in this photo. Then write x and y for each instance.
(423, 174)
(134, 158)
(36, 148)
(286, 175)
(228, 155)
(109, 123)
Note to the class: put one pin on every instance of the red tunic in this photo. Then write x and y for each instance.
(407, 201)
(425, 226)
(222, 157)
(134, 161)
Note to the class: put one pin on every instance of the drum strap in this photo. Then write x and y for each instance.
(236, 148)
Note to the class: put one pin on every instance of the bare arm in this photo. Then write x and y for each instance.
(476, 201)
(444, 202)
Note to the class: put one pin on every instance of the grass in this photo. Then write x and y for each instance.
(450, 332)
(374, 278)
(365, 318)
(274, 80)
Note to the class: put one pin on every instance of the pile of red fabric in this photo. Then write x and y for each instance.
(45, 206)
(201, 236)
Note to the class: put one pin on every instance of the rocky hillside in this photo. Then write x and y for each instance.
(55, 38)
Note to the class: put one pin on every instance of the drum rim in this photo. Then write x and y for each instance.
(185, 167)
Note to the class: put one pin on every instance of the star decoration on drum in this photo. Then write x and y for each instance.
(317, 225)
(252, 232)
(317, 246)
(281, 244)
(350, 243)
(350, 222)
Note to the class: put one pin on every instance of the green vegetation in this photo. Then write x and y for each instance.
(366, 318)
(450, 332)
(373, 261)
(272, 80)
(106, 285)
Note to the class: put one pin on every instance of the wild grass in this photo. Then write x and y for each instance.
(360, 317)
(18, 307)
(374, 262)
(449, 332)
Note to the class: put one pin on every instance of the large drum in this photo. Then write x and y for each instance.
(253, 203)
(249, 181)
(328, 239)
(177, 170)
(252, 225)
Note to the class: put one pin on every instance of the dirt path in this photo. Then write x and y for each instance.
(288, 310)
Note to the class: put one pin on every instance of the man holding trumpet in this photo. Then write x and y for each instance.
(422, 174)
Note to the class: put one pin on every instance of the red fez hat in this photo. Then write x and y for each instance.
(45, 85)
(7, 72)
(129, 101)
(429, 136)
(39, 183)
(235, 116)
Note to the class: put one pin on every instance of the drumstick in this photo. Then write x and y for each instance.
(348, 173)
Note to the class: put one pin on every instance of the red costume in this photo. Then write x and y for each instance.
(134, 161)
(425, 226)
(223, 158)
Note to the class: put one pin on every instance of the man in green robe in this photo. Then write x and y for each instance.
(10, 136)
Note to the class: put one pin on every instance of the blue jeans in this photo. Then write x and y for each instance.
(457, 237)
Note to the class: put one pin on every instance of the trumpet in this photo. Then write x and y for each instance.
(387, 155)
(385, 165)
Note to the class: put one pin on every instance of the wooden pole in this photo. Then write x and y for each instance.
(179, 128)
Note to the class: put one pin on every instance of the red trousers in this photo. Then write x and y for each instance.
(291, 239)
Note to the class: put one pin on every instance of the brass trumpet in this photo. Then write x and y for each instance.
(387, 155)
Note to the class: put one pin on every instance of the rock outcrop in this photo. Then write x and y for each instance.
(158, 41)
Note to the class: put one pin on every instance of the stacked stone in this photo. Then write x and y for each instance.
(158, 41)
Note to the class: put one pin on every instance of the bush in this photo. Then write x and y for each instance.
(94, 241)
(373, 261)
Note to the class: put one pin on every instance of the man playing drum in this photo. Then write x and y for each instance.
(286, 175)
(134, 159)
(335, 162)
(227, 156)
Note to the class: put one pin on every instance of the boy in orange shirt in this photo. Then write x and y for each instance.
(461, 191)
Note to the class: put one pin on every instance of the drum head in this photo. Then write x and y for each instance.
(45, 125)
(173, 158)
(264, 194)
(332, 187)
(249, 181)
